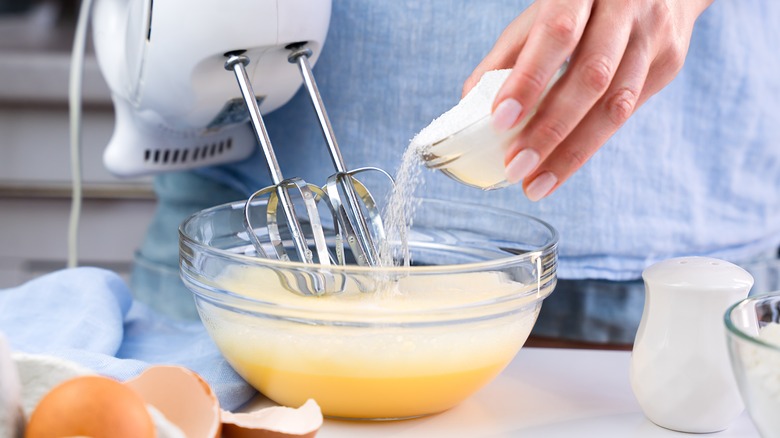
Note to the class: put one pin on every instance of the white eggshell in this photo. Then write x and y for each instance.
(274, 422)
(182, 396)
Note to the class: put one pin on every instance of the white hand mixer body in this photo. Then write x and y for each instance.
(176, 108)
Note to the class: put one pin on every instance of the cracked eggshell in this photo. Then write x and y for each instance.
(274, 422)
(182, 396)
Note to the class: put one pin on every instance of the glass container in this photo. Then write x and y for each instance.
(753, 327)
(386, 343)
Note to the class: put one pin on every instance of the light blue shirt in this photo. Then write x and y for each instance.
(696, 170)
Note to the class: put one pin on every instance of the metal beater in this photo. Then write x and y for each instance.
(350, 215)
(351, 205)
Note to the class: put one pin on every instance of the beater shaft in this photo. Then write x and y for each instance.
(237, 64)
(355, 226)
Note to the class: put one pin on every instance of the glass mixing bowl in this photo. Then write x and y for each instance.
(389, 343)
(753, 327)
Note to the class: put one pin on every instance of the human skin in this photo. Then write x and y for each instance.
(620, 53)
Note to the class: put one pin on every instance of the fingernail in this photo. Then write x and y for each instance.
(521, 165)
(506, 114)
(541, 186)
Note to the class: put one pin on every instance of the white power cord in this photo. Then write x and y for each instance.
(74, 106)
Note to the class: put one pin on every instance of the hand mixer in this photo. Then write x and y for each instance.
(176, 109)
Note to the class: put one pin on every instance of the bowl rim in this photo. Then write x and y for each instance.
(545, 256)
(736, 331)
(550, 246)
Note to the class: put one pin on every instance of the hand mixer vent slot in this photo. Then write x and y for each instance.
(177, 156)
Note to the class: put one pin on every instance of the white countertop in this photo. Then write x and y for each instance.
(544, 393)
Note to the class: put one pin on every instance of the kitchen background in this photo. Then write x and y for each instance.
(36, 38)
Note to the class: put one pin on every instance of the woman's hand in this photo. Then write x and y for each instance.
(620, 53)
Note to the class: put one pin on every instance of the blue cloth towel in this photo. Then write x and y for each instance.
(88, 316)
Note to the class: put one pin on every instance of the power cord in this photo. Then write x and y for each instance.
(75, 107)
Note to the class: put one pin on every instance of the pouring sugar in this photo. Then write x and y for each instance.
(463, 145)
(399, 212)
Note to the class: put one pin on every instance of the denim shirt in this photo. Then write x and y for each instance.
(695, 171)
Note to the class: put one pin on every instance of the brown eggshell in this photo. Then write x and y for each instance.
(182, 396)
(93, 406)
(274, 422)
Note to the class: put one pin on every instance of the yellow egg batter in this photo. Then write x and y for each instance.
(378, 370)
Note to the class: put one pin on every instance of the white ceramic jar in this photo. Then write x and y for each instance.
(680, 368)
